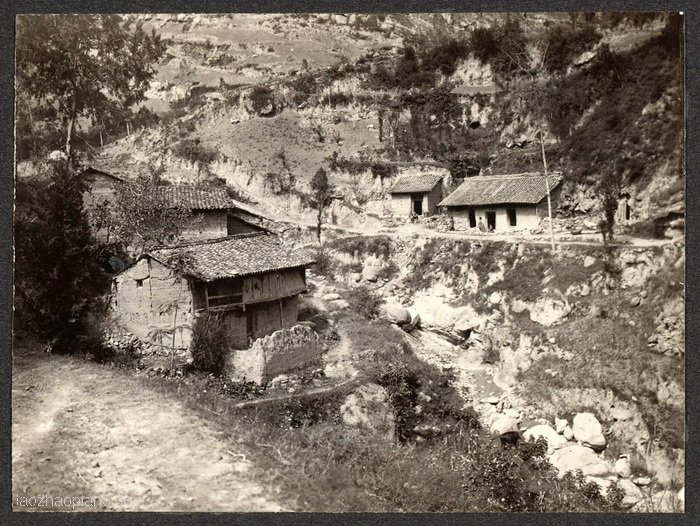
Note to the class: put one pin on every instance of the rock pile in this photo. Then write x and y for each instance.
(368, 408)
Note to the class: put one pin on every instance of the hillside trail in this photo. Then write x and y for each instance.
(84, 429)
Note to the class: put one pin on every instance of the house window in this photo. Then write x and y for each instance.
(512, 221)
(139, 283)
(224, 293)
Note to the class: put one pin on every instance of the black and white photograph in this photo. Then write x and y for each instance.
(401, 262)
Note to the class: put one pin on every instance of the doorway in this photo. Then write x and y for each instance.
(417, 205)
(512, 219)
(491, 220)
(472, 218)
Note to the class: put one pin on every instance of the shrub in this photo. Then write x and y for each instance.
(209, 343)
(194, 151)
(260, 97)
(364, 302)
(323, 265)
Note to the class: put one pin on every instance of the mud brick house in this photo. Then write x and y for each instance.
(102, 186)
(416, 194)
(252, 280)
(502, 202)
(214, 213)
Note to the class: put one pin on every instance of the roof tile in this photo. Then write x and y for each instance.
(484, 190)
(408, 184)
(233, 256)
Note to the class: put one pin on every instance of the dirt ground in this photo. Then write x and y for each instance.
(82, 429)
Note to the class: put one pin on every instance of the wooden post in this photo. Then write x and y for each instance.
(549, 198)
(102, 144)
(206, 297)
(127, 130)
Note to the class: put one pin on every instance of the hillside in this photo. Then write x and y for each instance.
(269, 99)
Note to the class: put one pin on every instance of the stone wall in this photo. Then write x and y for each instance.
(282, 351)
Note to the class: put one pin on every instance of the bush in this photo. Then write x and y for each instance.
(194, 151)
(260, 97)
(364, 302)
(209, 343)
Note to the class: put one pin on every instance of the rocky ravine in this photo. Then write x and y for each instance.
(505, 332)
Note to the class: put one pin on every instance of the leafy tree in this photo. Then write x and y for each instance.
(84, 66)
(58, 279)
(322, 195)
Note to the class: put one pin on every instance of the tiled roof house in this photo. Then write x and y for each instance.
(502, 202)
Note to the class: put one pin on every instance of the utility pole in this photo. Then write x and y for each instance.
(549, 198)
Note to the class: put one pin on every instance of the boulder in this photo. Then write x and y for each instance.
(368, 408)
(397, 314)
(339, 304)
(495, 298)
(505, 424)
(588, 431)
(560, 424)
(588, 261)
(575, 457)
(623, 467)
(641, 481)
(584, 58)
(331, 296)
(468, 321)
(549, 311)
(568, 433)
(519, 306)
(554, 440)
(633, 494)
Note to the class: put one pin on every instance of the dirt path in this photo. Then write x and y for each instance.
(83, 429)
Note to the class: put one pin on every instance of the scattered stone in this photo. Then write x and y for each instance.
(339, 304)
(554, 440)
(635, 301)
(549, 311)
(588, 261)
(493, 400)
(331, 296)
(588, 431)
(495, 298)
(585, 290)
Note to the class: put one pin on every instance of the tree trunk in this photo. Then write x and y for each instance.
(71, 126)
(318, 223)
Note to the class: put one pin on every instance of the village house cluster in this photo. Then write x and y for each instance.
(497, 203)
(226, 263)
